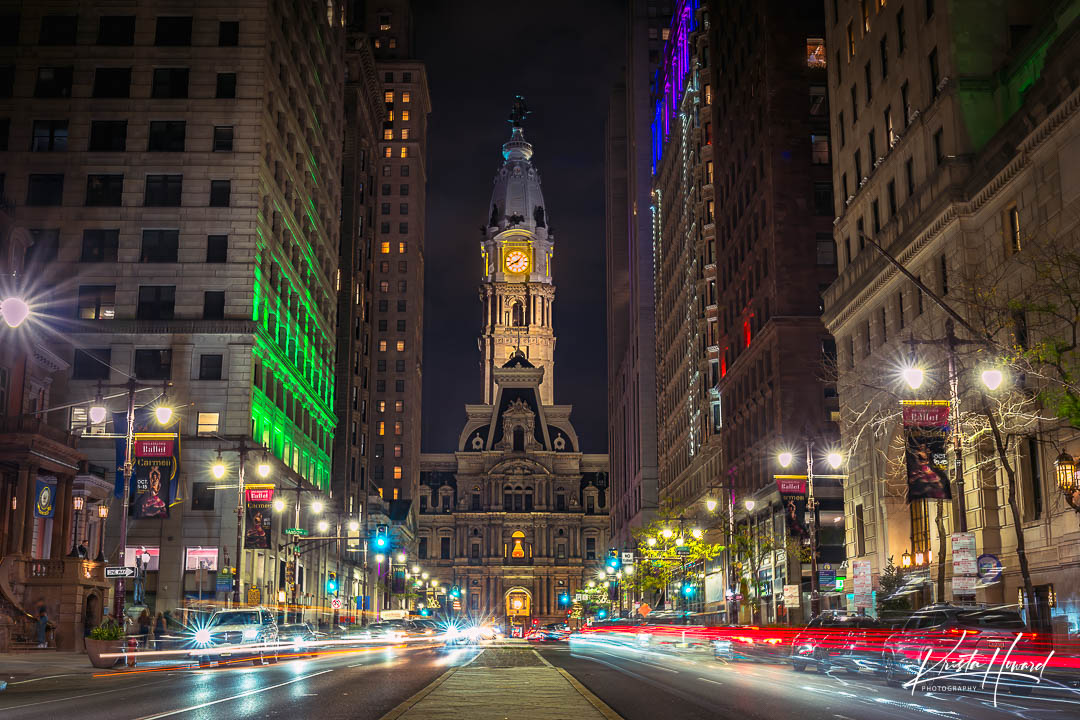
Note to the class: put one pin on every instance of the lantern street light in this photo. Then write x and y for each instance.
(78, 502)
(913, 376)
(103, 515)
(710, 504)
(749, 505)
(992, 378)
(1065, 470)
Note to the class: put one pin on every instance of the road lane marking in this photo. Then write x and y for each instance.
(47, 677)
(255, 691)
(658, 667)
(73, 697)
(714, 682)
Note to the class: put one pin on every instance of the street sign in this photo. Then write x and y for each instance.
(682, 550)
(119, 572)
(628, 557)
(826, 577)
(335, 603)
(295, 531)
(224, 583)
(254, 596)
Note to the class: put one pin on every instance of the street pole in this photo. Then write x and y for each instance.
(129, 443)
(239, 523)
(954, 405)
(811, 502)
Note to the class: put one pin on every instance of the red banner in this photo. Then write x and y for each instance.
(926, 415)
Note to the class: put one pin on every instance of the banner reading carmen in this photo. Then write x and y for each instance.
(926, 428)
(793, 498)
(258, 500)
(155, 458)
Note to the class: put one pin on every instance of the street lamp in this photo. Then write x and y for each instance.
(905, 560)
(697, 533)
(323, 526)
(992, 378)
(354, 526)
(401, 558)
(667, 533)
(279, 505)
(163, 413)
(218, 468)
(710, 504)
(98, 413)
(650, 541)
(415, 569)
(1065, 470)
(834, 459)
(263, 468)
(78, 502)
(381, 558)
(785, 458)
(14, 310)
(913, 376)
(103, 514)
(317, 506)
(749, 505)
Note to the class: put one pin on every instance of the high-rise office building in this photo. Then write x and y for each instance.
(179, 170)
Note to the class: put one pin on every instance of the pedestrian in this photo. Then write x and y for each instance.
(42, 627)
(159, 626)
(144, 623)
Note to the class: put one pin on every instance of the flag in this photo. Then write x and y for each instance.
(926, 429)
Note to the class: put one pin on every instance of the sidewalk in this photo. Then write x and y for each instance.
(504, 682)
(39, 664)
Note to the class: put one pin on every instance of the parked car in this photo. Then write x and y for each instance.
(297, 639)
(844, 640)
(946, 631)
(240, 633)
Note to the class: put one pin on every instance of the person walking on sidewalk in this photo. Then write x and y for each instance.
(42, 627)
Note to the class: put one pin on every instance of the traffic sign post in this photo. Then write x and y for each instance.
(296, 531)
(119, 572)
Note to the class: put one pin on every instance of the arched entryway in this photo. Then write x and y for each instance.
(518, 608)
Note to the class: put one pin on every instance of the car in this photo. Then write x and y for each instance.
(385, 631)
(835, 639)
(553, 632)
(238, 633)
(749, 643)
(297, 639)
(982, 636)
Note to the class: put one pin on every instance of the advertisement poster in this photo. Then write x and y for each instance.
(131, 551)
(155, 454)
(205, 558)
(793, 498)
(258, 500)
(791, 596)
(926, 429)
(714, 587)
(864, 585)
(45, 497)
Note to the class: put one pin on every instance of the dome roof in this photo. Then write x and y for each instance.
(516, 200)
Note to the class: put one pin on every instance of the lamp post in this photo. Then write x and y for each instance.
(103, 514)
(14, 310)
(1065, 471)
(78, 502)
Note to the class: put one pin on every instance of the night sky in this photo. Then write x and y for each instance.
(564, 58)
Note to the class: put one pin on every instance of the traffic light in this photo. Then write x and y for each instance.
(601, 613)
(381, 539)
(424, 612)
(613, 558)
(331, 583)
(455, 591)
(688, 590)
(564, 598)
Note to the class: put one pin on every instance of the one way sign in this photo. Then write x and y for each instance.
(119, 572)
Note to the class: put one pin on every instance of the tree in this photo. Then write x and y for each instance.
(668, 546)
(891, 582)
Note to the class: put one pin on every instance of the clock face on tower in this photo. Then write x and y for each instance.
(516, 261)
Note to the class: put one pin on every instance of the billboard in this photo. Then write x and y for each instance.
(155, 457)
(193, 556)
(258, 500)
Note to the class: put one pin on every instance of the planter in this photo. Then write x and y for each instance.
(96, 648)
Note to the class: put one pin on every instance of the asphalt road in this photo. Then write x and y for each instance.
(357, 684)
(645, 685)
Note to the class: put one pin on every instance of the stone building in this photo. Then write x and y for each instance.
(516, 517)
(957, 141)
(178, 168)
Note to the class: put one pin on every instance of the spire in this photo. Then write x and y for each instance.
(517, 200)
(519, 111)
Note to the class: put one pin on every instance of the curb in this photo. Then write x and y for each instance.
(419, 695)
(602, 707)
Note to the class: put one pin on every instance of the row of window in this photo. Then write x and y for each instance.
(115, 82)
(386, 171)
(388, 77)
(116, 30)
(47, 189)
(156, 302)
(111, 136)
(148, 364)
(101, 245)
(384, 247)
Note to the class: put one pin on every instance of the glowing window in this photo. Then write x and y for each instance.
(404, 115)
(403, 247)
(393, 43)
(384, 247)
(384, 286)
(382, 406)
(399, 405)
(404, 134)
(388, 96)
(398, 450)
(746, 332)
(397, 476)
(398, 427)
(382, 346)
(390, 115)
(396, 492)
(382, 427)
(207, 423)
(406, 96)
(404, 152)
(400, 345)
(387, 134)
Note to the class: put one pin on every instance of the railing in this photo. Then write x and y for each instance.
(40, 569)
(28, 424)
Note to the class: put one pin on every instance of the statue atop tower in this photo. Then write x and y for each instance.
(516, 290)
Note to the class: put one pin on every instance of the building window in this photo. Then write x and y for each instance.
(91, 364)
(223, 138)
(173, 31)
(214, 305)
(935, 73)
(208, 421)
(53, 82)
(397, 472)
(884, 55)
(826, 250)
(403, 189)
(97, 302)
(7, 80)
(860, 532)
(406, 97)
(387, 134)
(901, 35)
(58, 30)
(49, 136)
(108, 135)
(590, 548)
(217, 248)
(869, 80)
(444, 548)
(909, 176)
(209, 369)
(99, 245)
(943, 271)
(112, 83)
(228, 33)
(398, 427)
(226, 86)
(170, 83)
(819, 148)
(167, 136)
(890, 131)
(219, 193)
(388, 96)
(939, 147)
(422, 549)
(153, 364)
(160, 246)
(890, 192)
(404, 135)
(851, 41)
(116, 30)
(156, 302)
(45, 189)
(399, 386)
(202, 496)
(104, 190)
(1013, 216)
(823, 198)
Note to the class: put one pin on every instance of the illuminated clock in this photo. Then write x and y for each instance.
(516, 262)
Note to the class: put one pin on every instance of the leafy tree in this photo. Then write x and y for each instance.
(661, 565)
(890, 583)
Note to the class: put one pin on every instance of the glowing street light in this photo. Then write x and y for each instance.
(749, 505)
(697, 533)
(913, 376)
(279, 505)
(380, 558)
(317, 506)
(415, 569)
(650, 541)
(218, 469)
(710, 504)
(992, 378)
(785, 458)
(354, 525)
(163, 413)
(15, 311)
(834, 459)
(323, 526)
(97, 414)
(667, 533)
(423, 576)
(263, 468)
(401, 558)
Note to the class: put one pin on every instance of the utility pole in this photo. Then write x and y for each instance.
(811, 504)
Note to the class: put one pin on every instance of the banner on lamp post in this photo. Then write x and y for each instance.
(155, 463)
(258, 500)
(926, 429)
(793, 495)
